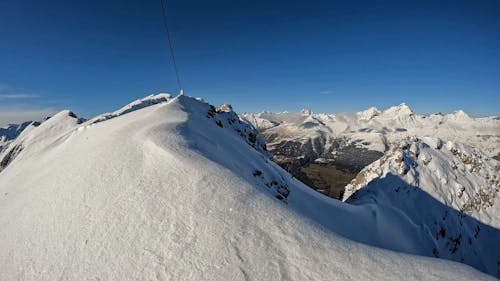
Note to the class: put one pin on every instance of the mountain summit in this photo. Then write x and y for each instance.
(402, 109)
(179, 190)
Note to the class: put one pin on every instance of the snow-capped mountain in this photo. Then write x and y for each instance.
(416, 172)
(135, 105)
(328, 150)
(457, 175)
(375, 130)
(10, 132)
(183, 190)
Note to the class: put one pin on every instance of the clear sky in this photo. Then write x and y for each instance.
(94, 56)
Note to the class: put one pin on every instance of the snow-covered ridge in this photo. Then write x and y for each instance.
(417, 172)
(399, 110)
(37, 135)
(368, 114)
(457, 175)
(173, 191)
(66, 121)
(12, 131)
(376, 130)
(133, 106)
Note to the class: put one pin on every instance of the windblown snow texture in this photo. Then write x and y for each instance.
(181, 190)
(450, 189)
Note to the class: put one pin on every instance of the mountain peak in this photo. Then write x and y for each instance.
(185, 175)
(65, 114)
(135, 105)
(368, 113)
(458, 114)
(306, 111)
(402, 109)
(225, 107)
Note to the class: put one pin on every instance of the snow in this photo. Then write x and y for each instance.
(173, 191)
(437, 166)
(368, 114)
(376, 130)
(135, 105)
(413, 175)
(10, 132)
(459, 115)
(402, 109)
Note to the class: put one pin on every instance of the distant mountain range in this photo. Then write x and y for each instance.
(10, 132)
(173, 188)
(326, 151)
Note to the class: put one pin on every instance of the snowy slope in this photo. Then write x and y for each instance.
(412, 175)
(181, 190)
(373, 129)
(455, 174)
(10, 132)
(37, 136)
(133, 106)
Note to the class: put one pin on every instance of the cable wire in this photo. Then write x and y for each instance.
(170, 46)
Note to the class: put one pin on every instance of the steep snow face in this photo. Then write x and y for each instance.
(455, 174)
(419, 171)
(174, 191)
(368, 114)
(262, 123)
(400, 110)
(61, 123)
(10, 132)
(13, 130)
(37, 135)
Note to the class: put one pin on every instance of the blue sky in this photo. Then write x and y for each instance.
(95, 56)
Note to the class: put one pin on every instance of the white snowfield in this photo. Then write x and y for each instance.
(180, 190)
(457, 175)
(416, 174)
(377, 130)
